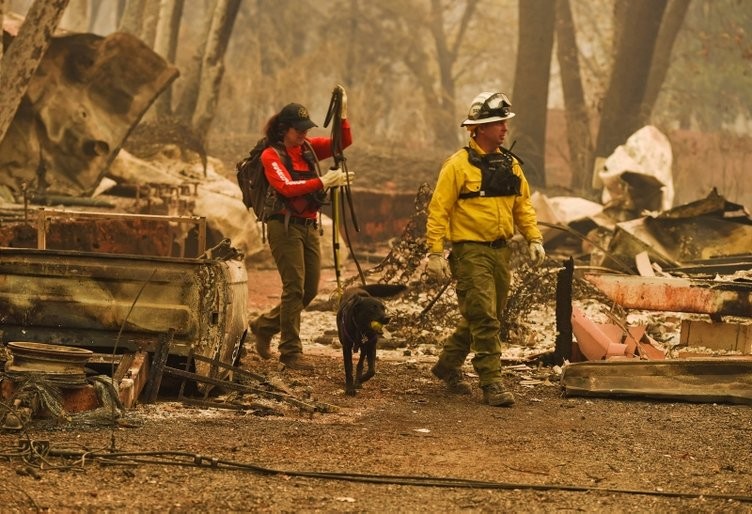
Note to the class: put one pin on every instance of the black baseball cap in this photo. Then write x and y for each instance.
(297, 116)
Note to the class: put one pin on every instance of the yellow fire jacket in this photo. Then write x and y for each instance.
(476, 219)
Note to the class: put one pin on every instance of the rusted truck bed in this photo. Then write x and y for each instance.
(116, 303)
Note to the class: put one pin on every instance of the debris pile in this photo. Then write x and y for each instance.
(640, 281)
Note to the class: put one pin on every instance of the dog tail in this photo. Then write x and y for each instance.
(383, 290)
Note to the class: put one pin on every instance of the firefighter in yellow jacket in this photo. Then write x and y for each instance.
(480, 197)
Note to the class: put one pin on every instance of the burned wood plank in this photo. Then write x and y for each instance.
(676, 294)
(700, 380)
(235, 370)
(733, 337)
(157, 368)
(563, 346)
(131, 377)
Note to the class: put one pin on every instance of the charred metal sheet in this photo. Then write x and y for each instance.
(676, 294)
(701, 380)
(104, 301)
(84, 98)
(706, 229)
(713, 204)
(715, 266)
(702, 237)
(631, 238)
(171, 225)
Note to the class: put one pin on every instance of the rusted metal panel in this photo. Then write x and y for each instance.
(701, 380)
(105, 301)
(45, 216)
(676, 294)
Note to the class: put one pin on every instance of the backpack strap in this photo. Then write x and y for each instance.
(309, 155)
(311, 158)
(313, 162)
(474, 158)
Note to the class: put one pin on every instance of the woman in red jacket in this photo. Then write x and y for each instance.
(292, 227)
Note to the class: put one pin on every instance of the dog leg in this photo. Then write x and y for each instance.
(347, 357)
(359, 370)
(370, 352)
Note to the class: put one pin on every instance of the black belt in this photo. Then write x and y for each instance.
(295, 220)
(499, 243)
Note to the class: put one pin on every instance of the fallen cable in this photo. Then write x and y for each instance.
(201, 461)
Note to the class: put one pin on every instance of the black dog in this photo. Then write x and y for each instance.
(360, 319)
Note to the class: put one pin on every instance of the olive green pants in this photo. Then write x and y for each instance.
(297, 254)
(483, 277)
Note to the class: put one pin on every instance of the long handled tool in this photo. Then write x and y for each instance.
(334, 116)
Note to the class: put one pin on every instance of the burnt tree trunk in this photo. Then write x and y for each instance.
(447, 53)
(579, 140)
(132, 17)
(531, 77)
(670, 25)
(192, 78)
(149, 22)
(623, 100)
(212, 65)
(165, 44)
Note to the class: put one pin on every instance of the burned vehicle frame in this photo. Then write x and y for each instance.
(125, 303)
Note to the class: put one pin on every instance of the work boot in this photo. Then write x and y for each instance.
(452, 378)
(495, 396)
(263, 343)
(297, 361)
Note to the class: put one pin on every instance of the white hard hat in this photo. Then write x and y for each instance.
(488, 107)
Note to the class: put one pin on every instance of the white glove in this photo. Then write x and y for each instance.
(344, 100)
(437, 267)
(336, 178)
(537, 253)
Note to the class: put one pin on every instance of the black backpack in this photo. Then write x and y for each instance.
(252, 180)
(257, 195)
